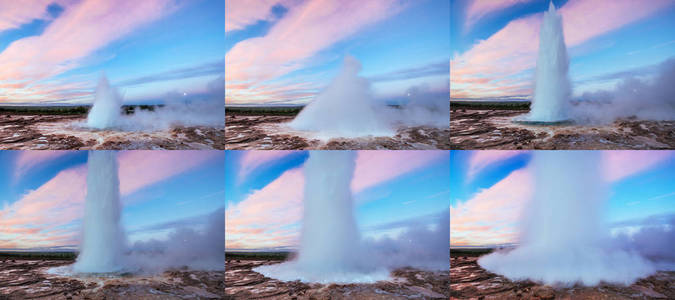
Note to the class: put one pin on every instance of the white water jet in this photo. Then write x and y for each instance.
(346, 108)
(552, 89)
(563, 239)
(106, 109)
(330, 247)
(103, 241)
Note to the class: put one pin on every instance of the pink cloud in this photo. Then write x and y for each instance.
(239, 14)
(251, 160)
(512, 50)
(26, 160)
(14, 14)
(481, 159)
(622, 164)
(491, 216)
(82, 29)
(307, 28)
(481, 8)
(376, 167)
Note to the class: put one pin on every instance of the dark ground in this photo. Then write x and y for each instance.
(28, 279)
(493, 129)
(266, 132)
(469, 281)
(243, 283)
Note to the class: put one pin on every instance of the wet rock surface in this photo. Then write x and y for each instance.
(469, 281)
(57, 132)
(268, 132)
(494, 129)
(28, 279)
(407, 283)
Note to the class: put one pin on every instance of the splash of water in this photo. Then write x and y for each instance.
(330, 248)
(552, 89)
(345, 108)
(563, 238)
(106, 109)
(102, 245)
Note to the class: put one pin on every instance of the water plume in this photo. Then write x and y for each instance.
(552, 88)
(103, 240)
(563, 239)
(107, 104)
(346, 107)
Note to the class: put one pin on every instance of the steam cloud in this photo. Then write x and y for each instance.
(347, 108)
(647, 100)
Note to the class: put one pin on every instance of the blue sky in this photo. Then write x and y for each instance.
(264, 193)
(495, 184)
(400, 44)
(607, 41)
(43, 194)
(151, 50)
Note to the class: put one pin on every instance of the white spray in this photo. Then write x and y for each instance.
(103, 242)
(346, 108)
(330, 250)
(106, 109)
(563, 238)
(552, 89)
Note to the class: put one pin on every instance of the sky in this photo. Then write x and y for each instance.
(54, 51)
(42, 195)
(392, 190)
(490, 188)
(286, 51)
(494, 43)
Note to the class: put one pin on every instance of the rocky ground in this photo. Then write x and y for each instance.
(28, 279)
(243, 283)
(268, 132)
(59, 132)
(494, 129)
(469, 281)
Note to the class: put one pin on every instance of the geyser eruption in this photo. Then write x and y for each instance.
(106, 109)
(552, 91)
(345, 108)
(103, 241)
(330, 247)
(563, 239)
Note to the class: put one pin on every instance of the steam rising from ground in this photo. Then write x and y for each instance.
(347, 108)
(645, 99)
(331, 248)
(563, 239)
(106, 112)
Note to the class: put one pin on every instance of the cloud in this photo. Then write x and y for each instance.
(83, 28)
(481, 159)
(27, 160)
(211, 68)
(622, 164)
(13, 14)
(239, 14)
(491, 216)
(498, 66)
(251, 160)
(376, 167)
(437, 68)
(481, 8)
(306, 29)
(60, 201)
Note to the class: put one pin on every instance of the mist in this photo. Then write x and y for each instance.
(632, 97)
(184, 247)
